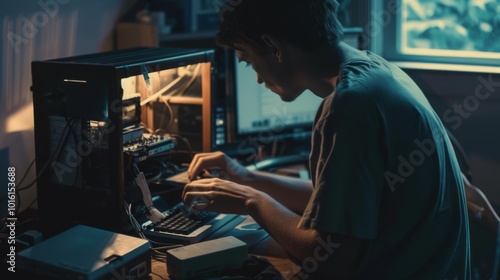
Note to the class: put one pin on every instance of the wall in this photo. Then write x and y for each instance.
(45, 29)
(40, 30)
(469, 106)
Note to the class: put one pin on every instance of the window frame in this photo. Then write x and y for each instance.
(386, 21)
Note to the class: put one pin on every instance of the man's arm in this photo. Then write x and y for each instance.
(323, 255)
(293, 193)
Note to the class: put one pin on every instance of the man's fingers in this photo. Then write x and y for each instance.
(195, 160)
(204, 161)
(197, 199)
(204, 182)
(204, 185)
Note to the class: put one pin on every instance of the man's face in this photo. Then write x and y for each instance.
(277, 76)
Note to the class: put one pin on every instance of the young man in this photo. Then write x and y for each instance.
(386, 199)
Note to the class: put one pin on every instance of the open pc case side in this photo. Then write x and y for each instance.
(89, 110)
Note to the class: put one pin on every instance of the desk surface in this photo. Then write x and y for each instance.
(267, 248)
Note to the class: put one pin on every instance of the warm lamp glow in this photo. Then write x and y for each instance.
(21, 120)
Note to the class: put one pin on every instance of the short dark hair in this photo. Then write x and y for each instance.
(304, 23)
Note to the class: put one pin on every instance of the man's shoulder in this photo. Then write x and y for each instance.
(373, 81)
(369, 73)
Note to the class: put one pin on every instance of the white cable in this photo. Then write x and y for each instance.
(161, 91)
(190, 82)
(171, 112)
(137, 227)
(152, 213)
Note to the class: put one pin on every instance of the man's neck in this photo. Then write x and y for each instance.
(320, 69)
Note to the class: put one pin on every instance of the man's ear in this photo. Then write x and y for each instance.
(275, 45)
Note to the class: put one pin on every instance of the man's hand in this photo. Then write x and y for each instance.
(297, 190)
(228, 168)
(219, 196)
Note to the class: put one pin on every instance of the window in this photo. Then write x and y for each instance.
(443, 31)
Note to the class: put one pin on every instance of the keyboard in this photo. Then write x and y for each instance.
(177, 221)
(180, 227)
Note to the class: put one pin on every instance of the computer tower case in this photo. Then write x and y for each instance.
(90, 109)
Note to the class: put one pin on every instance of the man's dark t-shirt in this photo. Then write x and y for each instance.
(384, 170)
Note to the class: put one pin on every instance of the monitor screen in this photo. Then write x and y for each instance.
(261, 112)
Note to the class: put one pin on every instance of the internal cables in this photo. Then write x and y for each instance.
(151, 212)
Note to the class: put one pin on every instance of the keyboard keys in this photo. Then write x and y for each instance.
(176, 221)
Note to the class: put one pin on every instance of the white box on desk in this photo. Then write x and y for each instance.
(206, 258)
(88, 253)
